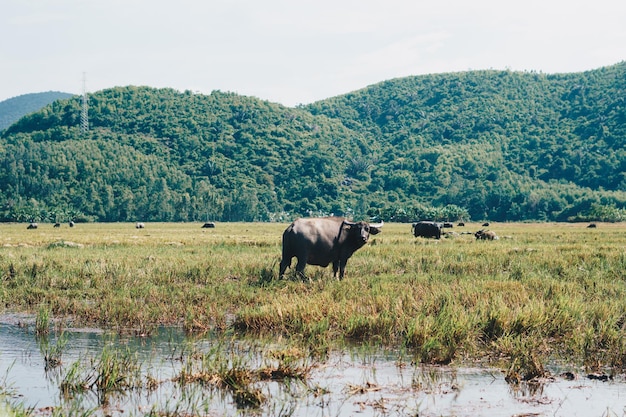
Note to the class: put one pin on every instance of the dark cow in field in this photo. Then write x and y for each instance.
(322, 241)
(208, 225)
(427, 229)
(486, 235)
(32, 225)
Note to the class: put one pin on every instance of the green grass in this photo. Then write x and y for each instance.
(542, 290)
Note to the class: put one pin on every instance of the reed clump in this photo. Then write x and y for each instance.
(52, 353)
(555, 286)
(42, 322)
(115, 371)
(240, 372)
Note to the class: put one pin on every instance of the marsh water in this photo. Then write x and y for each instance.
(354, 382)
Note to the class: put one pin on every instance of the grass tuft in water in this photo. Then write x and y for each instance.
(52, 353)
(74, 382)
(115, 371)
(42, 321)
(526, 363)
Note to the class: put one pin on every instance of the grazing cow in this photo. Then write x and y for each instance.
(427, 229)
(325, 240)
(57, 224)
(486, 235)
(448, 225)
(592, 226)
(461, 224)
(486, 224)
(71, 223)
(139, 225)
(208, 225)
(32, 225)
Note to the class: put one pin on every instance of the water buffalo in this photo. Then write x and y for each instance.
(486, 235)
(427, 229)
(139, 225)
(324, 240)
(32, 225)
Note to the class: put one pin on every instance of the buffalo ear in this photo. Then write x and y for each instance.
(374, 230)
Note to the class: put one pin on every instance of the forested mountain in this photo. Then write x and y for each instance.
(496, 145)
(13, 109)
(506, 145)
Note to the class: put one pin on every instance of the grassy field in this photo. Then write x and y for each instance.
(542, 291)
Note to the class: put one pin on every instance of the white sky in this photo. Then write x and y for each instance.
(294, 51)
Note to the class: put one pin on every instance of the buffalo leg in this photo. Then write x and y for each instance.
(284, 264)
(342, 269)
(335, 268)
(300, 266)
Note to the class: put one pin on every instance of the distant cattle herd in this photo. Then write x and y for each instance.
(431, 229)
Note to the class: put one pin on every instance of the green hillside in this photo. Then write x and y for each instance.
(13, 109)
(495, 145)
(521, 145)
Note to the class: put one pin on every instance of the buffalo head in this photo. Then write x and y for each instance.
(361, 231)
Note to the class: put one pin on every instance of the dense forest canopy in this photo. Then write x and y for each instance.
(498, 145)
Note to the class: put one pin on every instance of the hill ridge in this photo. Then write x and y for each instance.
(499, 145)
(14, 108)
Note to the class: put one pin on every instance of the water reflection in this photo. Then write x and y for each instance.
(169, 374)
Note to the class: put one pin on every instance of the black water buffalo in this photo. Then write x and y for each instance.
(427, 229)
(32, 225)
(324, 240)
(208, 225)
(486, 235)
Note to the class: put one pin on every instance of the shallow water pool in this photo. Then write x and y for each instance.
(349, 383)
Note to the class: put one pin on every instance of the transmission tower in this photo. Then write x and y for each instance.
(84, 116)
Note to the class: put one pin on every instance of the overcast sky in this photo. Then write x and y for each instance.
(293, 51)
